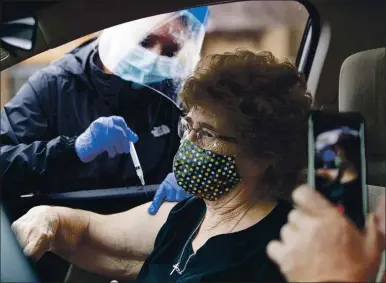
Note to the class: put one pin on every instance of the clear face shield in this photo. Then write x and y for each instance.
(155, 49)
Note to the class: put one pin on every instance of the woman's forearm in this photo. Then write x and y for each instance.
(86, 240)
(113, 245)
(73, 227)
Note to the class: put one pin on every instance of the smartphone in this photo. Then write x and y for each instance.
(337, 161)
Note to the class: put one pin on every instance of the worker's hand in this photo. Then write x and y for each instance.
(169, 190)
(109, 134)
(36, 230)
(320, 244)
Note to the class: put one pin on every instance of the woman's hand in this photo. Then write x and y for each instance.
(36, 230)
(319, 244)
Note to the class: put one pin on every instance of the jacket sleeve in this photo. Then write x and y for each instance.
(28, 150)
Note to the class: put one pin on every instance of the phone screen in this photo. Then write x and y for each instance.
(337, 163)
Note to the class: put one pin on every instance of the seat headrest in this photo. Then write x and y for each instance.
(362, 88)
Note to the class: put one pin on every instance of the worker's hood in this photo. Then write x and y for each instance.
(124, 49)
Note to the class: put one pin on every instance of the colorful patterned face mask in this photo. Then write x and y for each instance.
(203, 173)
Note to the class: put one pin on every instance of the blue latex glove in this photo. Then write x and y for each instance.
(169, 190)
(109, 134)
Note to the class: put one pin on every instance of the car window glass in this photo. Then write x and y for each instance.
(276, 26)
(131, 70)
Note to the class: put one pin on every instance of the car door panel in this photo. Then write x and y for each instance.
(51, 268)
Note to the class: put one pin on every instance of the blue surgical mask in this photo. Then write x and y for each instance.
(143, 66)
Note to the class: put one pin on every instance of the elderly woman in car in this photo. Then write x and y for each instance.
(243, 142)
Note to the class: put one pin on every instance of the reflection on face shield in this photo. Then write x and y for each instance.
(169, 49)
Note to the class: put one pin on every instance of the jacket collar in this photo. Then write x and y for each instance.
(107, 86)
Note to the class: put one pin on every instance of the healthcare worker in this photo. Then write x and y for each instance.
(69, 126)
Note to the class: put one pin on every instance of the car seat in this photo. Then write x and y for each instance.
(362, 88)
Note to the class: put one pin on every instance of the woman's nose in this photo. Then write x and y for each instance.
(192, 136)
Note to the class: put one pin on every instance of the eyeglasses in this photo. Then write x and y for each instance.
(205, 137)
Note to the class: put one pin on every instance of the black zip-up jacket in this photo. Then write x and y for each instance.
(58, 103)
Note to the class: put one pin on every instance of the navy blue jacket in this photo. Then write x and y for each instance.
(40, 124)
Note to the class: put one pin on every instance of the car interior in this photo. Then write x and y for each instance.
(341, 50)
